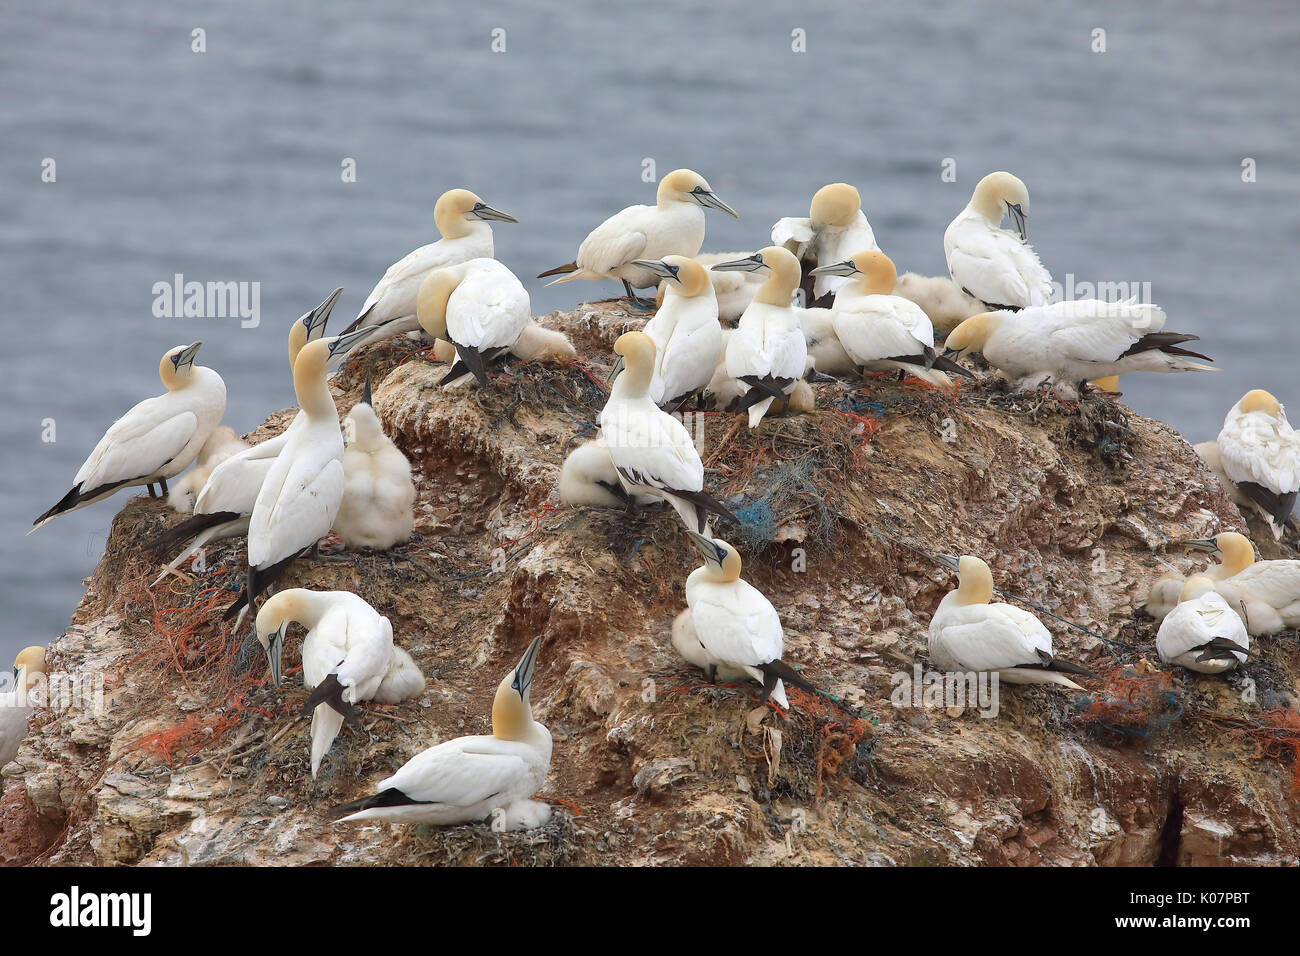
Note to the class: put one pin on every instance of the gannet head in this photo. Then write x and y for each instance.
(1001, 194)
(176, 366)
(457, 208)
(512, 715)
(835, 205)
(636, 354)
(876, 269)
(687, 275)
(972, 334)
(974, 581)
(30, 660)
(1258, 400)
(279, 611)
(1194, 588)
(311, 325)
(686, 185)
(781, 266)
(720, 558)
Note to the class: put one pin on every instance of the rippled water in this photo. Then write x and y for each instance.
(226, 166)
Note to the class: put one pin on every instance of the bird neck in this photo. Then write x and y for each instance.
(310, 386)
(634, 381)
(987, 205)
(512, 717)
(1237, 557)
(431, 303)
(779, 288)
(975, 587)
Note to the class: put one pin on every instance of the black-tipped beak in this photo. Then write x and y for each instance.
(620, 363)
(523, 678)
(748, 264)
(1018, 217)
(483, 211)
(342, 344)
(186, 356)
(315, 319)
(660, 268)
(949, 561)
(845, 268)
(707, 198)
(274, 653)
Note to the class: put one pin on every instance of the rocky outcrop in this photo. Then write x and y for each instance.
(194, 758)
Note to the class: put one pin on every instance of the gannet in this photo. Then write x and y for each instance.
(588, 478)
(652, 451)
(223, 443)
(471, 778)
(687, 643)
(835, 229)
(879, 330)
(990, 263)
(673, 226)
(301, 494)
(824, 348)
(157, 439)
(378, 509)
(967, 633)
(1265, 593)
(462, 218)
(939, 298)
(767, 351)
(480, 307)
(536, 343)
(1068, 343)
(685, 331)
(735, 625)
(1260, 453)
(1202, 633)
(15, 706)
(733, 290)
(226, 499)
(348, 657)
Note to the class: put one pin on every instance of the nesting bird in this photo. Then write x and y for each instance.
(825, 350)
(15, 705)
(767, 351)
(378, 508)
(652, 451)
(968, 633)
(835, 229)
(881, 331)
(1068, 343)
(481, 308)
(348, 656)
(469, 779)
(223, 443)
(588, 478)
(1202, 633)
(673, 226)
(990, 263)
(1260, 453)
(1266, 594)
(685, 331)
(463, 219)
(939, 298)
(155, 440)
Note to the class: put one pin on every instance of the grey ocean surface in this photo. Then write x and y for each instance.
(226, 165)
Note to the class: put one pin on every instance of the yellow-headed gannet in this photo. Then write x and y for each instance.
(652, 451)
(462, 218)
(733, 290)
(967, 633)
(1068, 343)
(835, 229)
(471, 778)
(1260, 453)
(302, 492)
(155, 440)
(673, 226)
(939, 298)
(1265, 593)
(226, 498)
(990, 263)
(1202, 633)
(882, 331)
(15, 707)
(480, 307)
(767, 351)
(735, 625)
(589, 479)
(348, 657)
(378, 509)
(223, 443)
(685, 330)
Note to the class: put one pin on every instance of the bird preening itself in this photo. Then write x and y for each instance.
(835, 229)
(1260, 452)
(990, 263)
(481, 308)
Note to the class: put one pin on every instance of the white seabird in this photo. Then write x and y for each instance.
(378, 509)
(155, 440)
(588, 478)
(733, 290)
(481, 308)
(1266, 594)
(824, 347)
(348, 656)
(687, 643)
(685, 331)
(835, 229)
(1202, 633)
(673, 226)
(940, 298)
(223, 443)
(967, 633)
(652, 451)
(469, 779)
(15, 705)
(462, 218)
(990, 263)
(1068, 343)
(767, 351)
(1260, 453)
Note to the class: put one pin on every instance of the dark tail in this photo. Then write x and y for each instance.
(257, 582)
(1049, 663)
(76, 496)
(188, 529)
(705, 502)
(1279, 507)
(330, 691)
(1221, 649)
(1166, 342)
(470, 360)
(392, 797)
(779, 668)
(559, 270)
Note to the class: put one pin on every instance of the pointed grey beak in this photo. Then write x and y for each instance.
(1018, 217)
(658, 267)
(274, 653)
(712, 553)
(1201, 544)
(315, 319)
(342, 344)
(484, 211)
(186, 356)
(706, 198)
(365, 394)
(619, 364)
(748, 264)
(524, 670)
(845, 268)
(949, 561)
